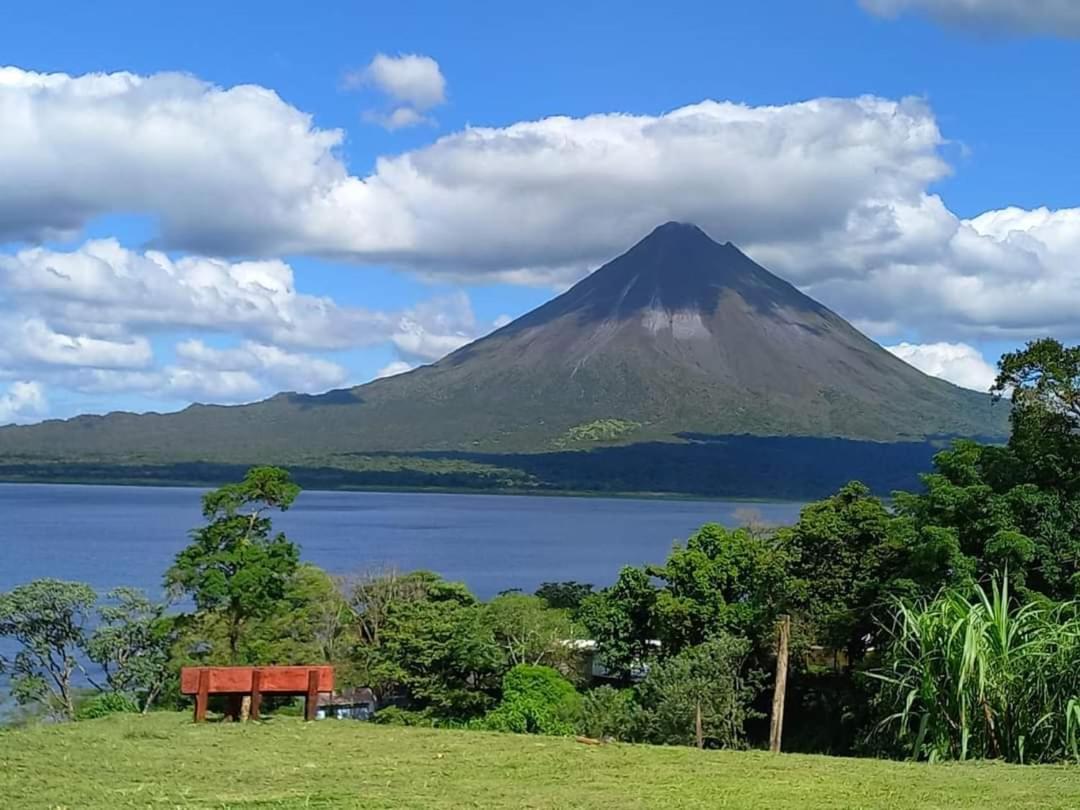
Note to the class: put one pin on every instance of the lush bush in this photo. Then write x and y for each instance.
(535, 700)
(105, 704)
(397, 716)
(609, 712)
(711, 678)
(983, 677)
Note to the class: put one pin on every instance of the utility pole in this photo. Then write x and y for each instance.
(776, 727)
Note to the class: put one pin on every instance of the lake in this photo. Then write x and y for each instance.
(109, 536)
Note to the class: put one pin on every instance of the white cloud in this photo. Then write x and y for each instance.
(398, 118)
(1007, 275)
(433, 329)
(104, 290)
(1054, 17)
(394, 368)
(30, 341)
(102, 283)
(203, 373)
(280, 369)
(410, 78)
(413, 83)
(956, 362)
(22, 401)
(831, 193)
(83, 320)
(531, 199)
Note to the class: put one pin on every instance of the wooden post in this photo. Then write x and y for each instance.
(699, 734)
(233, 705)
(311, 702)
(202, 697)
(256, 693)
(776, 727)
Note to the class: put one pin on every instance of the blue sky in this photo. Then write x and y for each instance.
(297, 241)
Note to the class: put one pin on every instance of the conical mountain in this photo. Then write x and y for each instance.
(679, 335)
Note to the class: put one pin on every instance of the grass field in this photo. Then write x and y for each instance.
(165, 761)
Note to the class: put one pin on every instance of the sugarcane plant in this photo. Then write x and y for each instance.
(982, 675)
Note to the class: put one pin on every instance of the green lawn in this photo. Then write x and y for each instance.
(165, 761)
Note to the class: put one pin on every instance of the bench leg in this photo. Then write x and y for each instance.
(202, 697)
(256, 694)
(311, 702)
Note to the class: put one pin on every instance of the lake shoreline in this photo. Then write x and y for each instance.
(499, 492)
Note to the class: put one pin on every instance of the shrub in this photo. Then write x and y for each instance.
(535, 700)
(710, 678)
(608, 712)
(397, 716)
(105, 704)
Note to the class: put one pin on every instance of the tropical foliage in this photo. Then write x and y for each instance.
(984, 676)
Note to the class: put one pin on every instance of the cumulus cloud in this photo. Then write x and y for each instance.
(413, 84)
(539, 199)
(83, 319)
(102, 284)
(203, 373)
(831, 193)
(956, 362)
(433, 329)
(1007, 275)
(394, 368)
(30, 341)
(283, 370)
(22, 401)
(1054, 17)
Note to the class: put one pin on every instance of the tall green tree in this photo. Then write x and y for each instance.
(48, 619)
(440, 654)
(622, 621)
(132, 644)
(850, 556)
(721, 580)
(530, 632)
(235, 567)
(1043, 382)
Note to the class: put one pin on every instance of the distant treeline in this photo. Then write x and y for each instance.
(798, 468)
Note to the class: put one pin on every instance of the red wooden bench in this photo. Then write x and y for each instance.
(256, 682)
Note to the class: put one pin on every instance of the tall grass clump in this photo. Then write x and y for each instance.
(983, 676)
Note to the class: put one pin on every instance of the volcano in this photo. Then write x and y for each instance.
(679, 339)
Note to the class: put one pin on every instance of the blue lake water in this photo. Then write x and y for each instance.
(110, 536)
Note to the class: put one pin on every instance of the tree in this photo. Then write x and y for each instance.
(850, 556)
(566, 595)
(132, 644)
(48, 619)
(984, 503)
(621, 621)
(373, 595)
(721, 581)
(709, 681)
(234, 567)
(434, 649)
(530, 632)
(1043, 382)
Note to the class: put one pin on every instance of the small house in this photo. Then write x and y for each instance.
(349, 704)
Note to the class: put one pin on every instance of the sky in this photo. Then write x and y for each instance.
(211, 202)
